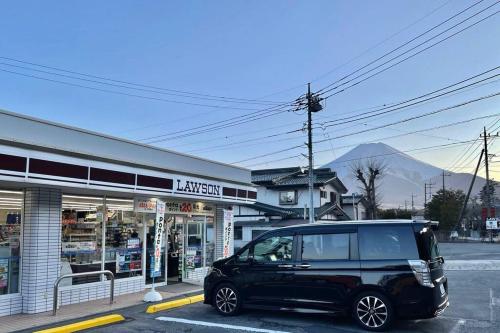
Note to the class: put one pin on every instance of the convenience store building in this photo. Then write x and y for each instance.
(75, 201)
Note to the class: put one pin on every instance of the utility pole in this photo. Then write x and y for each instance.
(487, 193)
(412, 204)
(425, 195)
(313, 105)
(486, 163)
(443, 205)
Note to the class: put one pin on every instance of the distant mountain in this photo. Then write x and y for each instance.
(404, 175)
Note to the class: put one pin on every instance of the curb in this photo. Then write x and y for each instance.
(86, 324)
(175, 303)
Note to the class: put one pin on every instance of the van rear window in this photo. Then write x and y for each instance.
(427, 244)
(387, 242)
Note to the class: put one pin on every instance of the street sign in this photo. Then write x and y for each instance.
(492, 223)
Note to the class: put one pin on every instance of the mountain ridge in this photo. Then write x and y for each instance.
(403, 176)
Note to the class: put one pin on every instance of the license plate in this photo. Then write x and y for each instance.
(441, 289)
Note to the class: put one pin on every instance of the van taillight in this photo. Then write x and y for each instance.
(422, 273)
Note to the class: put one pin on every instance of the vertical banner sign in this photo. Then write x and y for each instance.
(228, 236)
(159, 227)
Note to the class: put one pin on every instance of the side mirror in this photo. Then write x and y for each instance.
(250, 259)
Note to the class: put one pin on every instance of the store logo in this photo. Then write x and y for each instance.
(197, 187)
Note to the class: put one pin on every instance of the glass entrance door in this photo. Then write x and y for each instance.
(195, 243)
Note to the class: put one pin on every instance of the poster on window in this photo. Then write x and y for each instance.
(228, 235)
(4, 272)
(145, 205)
(159, 228)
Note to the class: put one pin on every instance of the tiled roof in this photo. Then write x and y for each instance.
(328, 208)
(272, 209)
(296, 177)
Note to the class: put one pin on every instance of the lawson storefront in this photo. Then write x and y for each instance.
(75, 201)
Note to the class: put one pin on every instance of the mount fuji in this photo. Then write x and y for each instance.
(403, 176)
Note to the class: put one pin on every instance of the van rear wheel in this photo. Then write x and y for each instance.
(227, 299)
(373, 311)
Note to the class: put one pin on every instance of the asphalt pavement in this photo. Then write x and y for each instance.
(474, 307)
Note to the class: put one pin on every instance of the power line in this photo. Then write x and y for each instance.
(216, 125)
(173, 92)
(449, 145)
(392, 108)
(381, 126)
(322, 125)
(127, 94)
(401, 61)
(232, 145)
(419, 116)
(325, 89)
(381, 42)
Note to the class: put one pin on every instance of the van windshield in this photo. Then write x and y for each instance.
(428, 244)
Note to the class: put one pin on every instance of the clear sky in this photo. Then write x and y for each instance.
(266, 50)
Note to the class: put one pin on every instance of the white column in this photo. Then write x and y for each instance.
(41, 252)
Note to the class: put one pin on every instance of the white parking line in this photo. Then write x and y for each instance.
(458, 326)
(210, 324)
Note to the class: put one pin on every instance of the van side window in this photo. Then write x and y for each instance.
(273, 249)
(325, 247)
(387, 242)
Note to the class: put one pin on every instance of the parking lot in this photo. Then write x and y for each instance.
(474, 307)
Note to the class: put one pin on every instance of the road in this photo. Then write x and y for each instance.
(470, 251)
(474, 307)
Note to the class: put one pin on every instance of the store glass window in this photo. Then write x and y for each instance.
(124, 233)
(11, 203)
(81, 237)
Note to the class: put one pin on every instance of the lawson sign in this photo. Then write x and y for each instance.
(197, 187)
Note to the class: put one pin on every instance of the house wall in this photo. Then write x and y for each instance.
(361, 209)
(247, 234)
(271, 197)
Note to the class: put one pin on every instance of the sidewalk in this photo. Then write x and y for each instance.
(75, 311)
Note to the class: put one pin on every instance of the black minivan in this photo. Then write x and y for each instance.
(374, 270)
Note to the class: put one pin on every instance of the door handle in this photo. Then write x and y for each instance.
(285, 266)
(303, 266)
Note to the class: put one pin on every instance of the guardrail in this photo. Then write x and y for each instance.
(106, 272)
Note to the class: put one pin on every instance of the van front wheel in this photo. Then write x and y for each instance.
(373, 311)
(227, 299)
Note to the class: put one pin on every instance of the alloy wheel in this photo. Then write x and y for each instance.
(226, 300)
(371, 311)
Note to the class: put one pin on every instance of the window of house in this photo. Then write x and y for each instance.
(257, 232)
(325, 247)
(333, 197)
(273, 249)
(238, 233)
(323, 194)
(11, 203)
(288, 197)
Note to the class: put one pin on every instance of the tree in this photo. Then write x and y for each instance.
(368, 173)
(445, 207)
(393, 214)
(483, 193)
